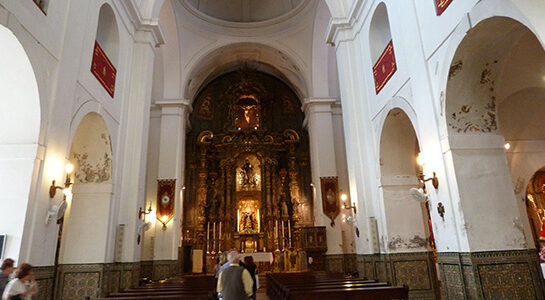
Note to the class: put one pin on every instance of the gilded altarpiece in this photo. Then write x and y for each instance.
(248, 173)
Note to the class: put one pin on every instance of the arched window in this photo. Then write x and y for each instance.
(106, 49)
(381, 47)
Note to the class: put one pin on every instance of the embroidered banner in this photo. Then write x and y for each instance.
(330, 199)
(103, 69)
(385, 67)
(165, 199)
(441, 5)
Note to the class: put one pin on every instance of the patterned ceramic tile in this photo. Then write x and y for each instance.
(79, 285)
(412, 273)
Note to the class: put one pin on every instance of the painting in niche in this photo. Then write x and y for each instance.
(248, 174)
(247, 113)
(205, 110)
(248, 216)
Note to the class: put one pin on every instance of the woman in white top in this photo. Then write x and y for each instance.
(18, 288)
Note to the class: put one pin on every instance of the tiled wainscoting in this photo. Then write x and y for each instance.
(511, 275)
(76, 281)
(491, 275)
(417, 270)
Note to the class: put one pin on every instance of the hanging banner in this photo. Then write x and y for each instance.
(441, 5)
(165, 199)
(330, 199)
(385, 67)
(103, 69)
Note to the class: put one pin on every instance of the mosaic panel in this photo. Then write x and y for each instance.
(79, 285)
(126, 282)
(44, 278)
(412, 273)
(146, 269)
(469, 281)
(114, 281)
(334, 263)
(453, 282)
(507, 281)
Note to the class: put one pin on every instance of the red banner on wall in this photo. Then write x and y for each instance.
(385, 67)
(103, 69)
(441, 5)
(165, 199)
(330, 199)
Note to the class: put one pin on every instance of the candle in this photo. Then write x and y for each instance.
(214, 236)
(276, 229)
(283, 236)
(219, 238)
(238, 219)
(289, 230)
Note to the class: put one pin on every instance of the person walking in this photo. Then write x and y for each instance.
(252, 269)
(23, 286)
(235, 282)
(5, 270)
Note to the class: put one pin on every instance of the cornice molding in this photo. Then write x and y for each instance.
(143, 24)
(338, 25)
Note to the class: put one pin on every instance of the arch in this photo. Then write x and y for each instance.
(86, 229)
(20, 126)
(482, 85)
(406, 220)
(324, 61)
(379, 32)
(220, 60)
(107, 35)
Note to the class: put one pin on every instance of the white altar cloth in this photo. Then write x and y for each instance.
(259, 256)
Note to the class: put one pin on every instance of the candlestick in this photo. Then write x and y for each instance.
(208, 237)
(214, 237)
(283, 236)
(219, 239)
(289, 234)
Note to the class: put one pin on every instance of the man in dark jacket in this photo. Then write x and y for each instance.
(235, 282)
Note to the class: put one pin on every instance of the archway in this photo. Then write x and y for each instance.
(407, 225)
(86, 234)
(493, 103)
(248, 166)
(19, 133)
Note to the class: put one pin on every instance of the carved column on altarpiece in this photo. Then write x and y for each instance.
(203, 140)
(295, 195)
(230, 209)
(269, 221)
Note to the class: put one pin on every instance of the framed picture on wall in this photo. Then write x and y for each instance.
(3, 238)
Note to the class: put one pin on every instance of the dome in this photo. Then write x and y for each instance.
(244, 11)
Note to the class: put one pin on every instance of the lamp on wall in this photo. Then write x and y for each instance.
(344, 206)
(421, 178)
(67, 188)
(144, 212)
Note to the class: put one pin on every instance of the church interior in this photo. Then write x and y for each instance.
(378, 141)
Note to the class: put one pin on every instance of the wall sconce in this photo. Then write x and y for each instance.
(144, 212)
(344, 206)
(67, 188)
(164, 220)
(421, 178)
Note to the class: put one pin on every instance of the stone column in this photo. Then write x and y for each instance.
(136, 116)
(174, 125)
(319, 123)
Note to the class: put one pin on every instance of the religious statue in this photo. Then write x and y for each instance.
(247, 174)
(247, 114)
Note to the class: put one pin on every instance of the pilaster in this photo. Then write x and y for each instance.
(174, 125)
(134, 150)
(319, 122)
